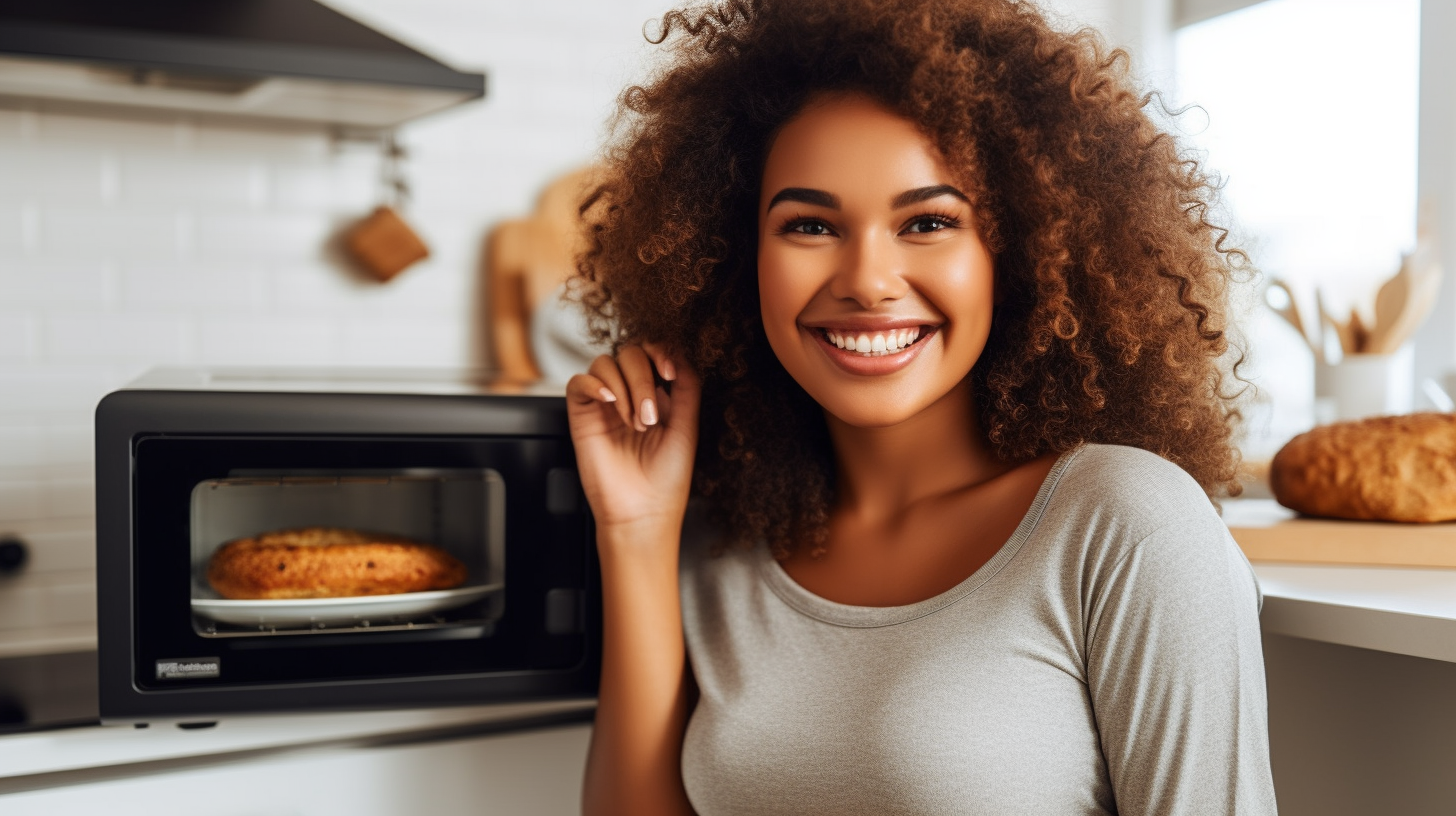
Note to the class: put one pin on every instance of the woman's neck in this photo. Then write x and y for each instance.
(884, 471)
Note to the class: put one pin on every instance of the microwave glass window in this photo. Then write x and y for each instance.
(310, 552)
(453, 556)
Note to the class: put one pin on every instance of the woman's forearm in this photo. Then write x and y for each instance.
(634, 763)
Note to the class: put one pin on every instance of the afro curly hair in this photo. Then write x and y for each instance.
(1114, 284)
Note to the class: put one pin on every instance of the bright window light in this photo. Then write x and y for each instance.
(1307, 109)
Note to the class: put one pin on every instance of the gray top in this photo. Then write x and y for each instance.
(1106, 660)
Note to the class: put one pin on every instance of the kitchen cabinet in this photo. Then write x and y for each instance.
(1355, 732)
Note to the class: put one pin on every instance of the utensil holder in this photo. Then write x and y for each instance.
(1363, 385)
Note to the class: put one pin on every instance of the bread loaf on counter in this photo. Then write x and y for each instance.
(329, 562)
(1395, 468)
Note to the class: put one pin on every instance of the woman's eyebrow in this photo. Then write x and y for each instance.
(805, 195)
(920, 194)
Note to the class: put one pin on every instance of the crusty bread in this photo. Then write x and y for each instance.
(1397, 468)
(329, 562)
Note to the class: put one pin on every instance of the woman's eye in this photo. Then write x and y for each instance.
(808, 227)
(930, 223)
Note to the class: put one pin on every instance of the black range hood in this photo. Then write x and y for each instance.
(296, 60)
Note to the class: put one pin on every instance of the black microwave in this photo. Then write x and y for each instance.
(445, 464)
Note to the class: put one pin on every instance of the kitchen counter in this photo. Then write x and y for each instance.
(94, 753)
(1396, 609)
(1401, 610)
(51, 737)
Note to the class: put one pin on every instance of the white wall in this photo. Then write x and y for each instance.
(127, 243)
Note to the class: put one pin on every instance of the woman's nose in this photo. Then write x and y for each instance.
(870, 271)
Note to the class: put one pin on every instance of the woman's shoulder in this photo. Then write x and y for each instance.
(1121, 514)
(1131, 479)
(1109, 497)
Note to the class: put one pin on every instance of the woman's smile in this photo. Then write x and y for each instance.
(867, 349)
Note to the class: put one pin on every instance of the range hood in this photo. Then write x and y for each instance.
(292, 60)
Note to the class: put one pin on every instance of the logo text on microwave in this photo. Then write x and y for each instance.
(189, 668)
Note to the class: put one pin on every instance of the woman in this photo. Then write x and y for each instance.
(920, 303)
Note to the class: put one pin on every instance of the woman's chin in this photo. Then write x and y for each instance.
(888, 404)
(887, 413)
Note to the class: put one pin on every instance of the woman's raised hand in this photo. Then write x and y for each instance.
(634, 440)
(635, 443)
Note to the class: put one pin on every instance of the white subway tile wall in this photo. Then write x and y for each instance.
(132, 242)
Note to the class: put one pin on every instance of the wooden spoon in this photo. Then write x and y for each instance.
(1391, 303)
(1359, 334)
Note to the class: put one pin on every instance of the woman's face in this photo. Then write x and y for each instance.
(876, 290)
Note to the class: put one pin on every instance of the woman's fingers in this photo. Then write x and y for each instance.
(661, 360)
(629, 382)
(636, 368)
(682, 404)
(607, 373)
(586, 389)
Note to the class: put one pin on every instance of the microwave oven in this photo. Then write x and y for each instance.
(188, 461)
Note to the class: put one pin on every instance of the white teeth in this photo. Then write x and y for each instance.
(874, 345)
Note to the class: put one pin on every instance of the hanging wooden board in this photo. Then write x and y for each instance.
(1267, 532)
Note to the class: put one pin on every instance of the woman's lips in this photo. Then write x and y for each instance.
(878, 361)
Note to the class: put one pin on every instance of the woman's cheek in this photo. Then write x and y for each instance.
(781, 301)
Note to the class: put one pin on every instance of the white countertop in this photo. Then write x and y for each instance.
(1405, 610)
(68, 755)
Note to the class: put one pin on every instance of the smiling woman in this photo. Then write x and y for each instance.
(866, 242)
(861, 238)
(921, 305)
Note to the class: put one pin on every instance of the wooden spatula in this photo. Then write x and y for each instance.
(1391, 303)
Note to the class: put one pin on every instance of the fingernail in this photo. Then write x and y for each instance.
(667, 370)
(649, 412)
(607, 395)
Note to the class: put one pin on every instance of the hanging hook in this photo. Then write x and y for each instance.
(396, 188)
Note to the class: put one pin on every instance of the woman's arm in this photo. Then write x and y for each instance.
(634, 444)
(1175, 671)
(642, 710)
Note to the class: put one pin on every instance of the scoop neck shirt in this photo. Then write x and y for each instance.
(1106, 659)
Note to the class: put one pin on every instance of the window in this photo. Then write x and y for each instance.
(1308, 110)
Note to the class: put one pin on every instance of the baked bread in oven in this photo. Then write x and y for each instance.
(329, 562)
(1394, 468)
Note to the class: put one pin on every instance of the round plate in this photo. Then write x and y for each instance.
(305, 611)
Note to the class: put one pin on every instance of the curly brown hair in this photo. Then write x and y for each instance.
(1111, 325)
